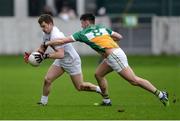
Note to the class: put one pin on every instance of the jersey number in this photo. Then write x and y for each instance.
(97, 32)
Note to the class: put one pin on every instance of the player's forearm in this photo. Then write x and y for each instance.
(54, 42)
(59, 41)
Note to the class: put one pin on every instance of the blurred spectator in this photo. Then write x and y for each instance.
(67, 13)
(72, 14)
(101, 11)
(103, 17)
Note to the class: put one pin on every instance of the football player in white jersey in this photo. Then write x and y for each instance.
(66, 60)
(103, 40)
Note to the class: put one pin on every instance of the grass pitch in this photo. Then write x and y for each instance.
(21, 87)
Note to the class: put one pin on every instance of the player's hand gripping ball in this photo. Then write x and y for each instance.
(35, 58)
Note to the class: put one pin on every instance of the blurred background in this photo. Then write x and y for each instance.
(148, 26)
(151, 39)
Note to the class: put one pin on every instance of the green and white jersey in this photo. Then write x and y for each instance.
(97, 37)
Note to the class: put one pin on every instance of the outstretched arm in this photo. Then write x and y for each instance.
(59, 41)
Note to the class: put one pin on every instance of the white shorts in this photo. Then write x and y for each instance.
(72, 68)
(117, 60)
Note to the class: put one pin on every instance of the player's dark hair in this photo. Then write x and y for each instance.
(88, 16)
(45, 18)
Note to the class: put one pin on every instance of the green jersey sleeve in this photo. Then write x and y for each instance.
(77, 36)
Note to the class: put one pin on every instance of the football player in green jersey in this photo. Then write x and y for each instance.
(103, 40)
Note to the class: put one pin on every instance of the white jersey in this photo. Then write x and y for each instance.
(70, 54)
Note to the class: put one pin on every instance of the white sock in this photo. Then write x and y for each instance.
(106, 100)
(44, 99)
(98, 90)
(160, 94)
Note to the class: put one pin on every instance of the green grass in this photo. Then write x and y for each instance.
(21, 87)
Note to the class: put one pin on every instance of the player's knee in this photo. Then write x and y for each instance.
(47, 80)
